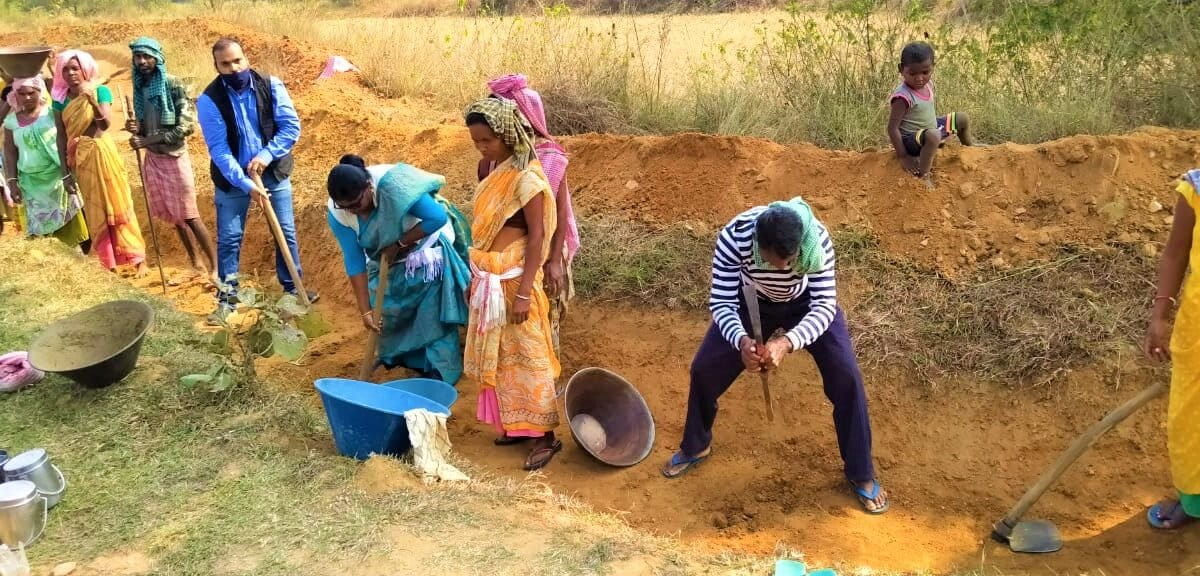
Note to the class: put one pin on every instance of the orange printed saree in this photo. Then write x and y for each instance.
(515, 365)
(107, 201)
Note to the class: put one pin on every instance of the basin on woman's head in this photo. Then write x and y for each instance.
(97, 347)
(23, 61)
(367, 418)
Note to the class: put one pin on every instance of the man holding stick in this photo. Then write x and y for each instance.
(786, 256)
(162, 122)
(250, 127)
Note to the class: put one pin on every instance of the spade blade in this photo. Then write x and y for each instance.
(1035, 537)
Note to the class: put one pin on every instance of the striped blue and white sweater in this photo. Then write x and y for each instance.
(733, 264)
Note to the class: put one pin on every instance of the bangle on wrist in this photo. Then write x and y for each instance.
(526, 298)
(367, 313)
(1171, 299)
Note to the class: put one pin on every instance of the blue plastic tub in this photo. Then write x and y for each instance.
(435, 390)
(368, 418)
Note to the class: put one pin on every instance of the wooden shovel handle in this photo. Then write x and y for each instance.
(1081, 444)
(766, 386)
(282, 245)
(372, 352)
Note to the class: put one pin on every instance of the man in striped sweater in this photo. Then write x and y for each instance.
(787, 255)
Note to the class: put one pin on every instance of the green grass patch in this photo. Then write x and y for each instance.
(625, 260)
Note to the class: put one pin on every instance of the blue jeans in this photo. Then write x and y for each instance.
(231, 225)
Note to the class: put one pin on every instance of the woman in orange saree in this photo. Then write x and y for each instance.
(509, 348)
(96, 169)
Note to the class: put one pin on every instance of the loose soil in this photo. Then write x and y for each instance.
(954, 456)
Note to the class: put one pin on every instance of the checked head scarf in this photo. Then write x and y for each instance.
(152, 88)
(509, 124)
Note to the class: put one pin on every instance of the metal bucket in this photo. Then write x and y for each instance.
(609, 418)
(19, 507)
(97, 347)
(35, 466)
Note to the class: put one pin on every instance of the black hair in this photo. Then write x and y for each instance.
(916, 53)
(778, 229)
(348, 179)
(225, 42)
(5, 92)
(477, 118)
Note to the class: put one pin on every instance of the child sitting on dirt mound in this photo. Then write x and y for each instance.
(914, 128)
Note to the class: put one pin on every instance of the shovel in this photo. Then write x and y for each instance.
(751, 296)
(282, 245)
(1041, 536)
(146, 196)
(372, 353)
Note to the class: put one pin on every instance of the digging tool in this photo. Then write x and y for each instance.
(1041, 536)
(281, 244)
(751, 296)
(146, 196)
(372, 352)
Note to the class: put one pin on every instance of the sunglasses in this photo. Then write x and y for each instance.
(356, 204)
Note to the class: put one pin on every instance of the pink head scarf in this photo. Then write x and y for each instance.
(515, 87)
(552, 157)
(16, 372)
(87, 64)
(19, 83)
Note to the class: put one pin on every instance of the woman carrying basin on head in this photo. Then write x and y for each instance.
(32, 168)
(394, 211)
(93, 163)
(1182, 348)
(510, 349)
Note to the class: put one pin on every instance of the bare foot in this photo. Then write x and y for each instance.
(142, 270)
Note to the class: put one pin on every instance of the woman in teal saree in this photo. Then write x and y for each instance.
(394, 211)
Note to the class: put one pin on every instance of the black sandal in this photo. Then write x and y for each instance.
(507, 440)
(549, 452)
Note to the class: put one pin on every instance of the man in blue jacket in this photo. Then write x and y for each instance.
(250, 127)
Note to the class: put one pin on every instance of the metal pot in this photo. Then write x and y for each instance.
(35, 467)
(19, 507)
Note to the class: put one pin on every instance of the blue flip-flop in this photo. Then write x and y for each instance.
(864, 497)
(1155, 513)
(678, 459)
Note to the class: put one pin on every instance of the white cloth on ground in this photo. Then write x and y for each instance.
(431, 445)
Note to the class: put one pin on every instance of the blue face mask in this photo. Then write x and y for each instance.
(238, 80)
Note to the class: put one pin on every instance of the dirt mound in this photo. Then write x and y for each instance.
(382, 475)
(994, 206)
(1000, 204)
(297, 62)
